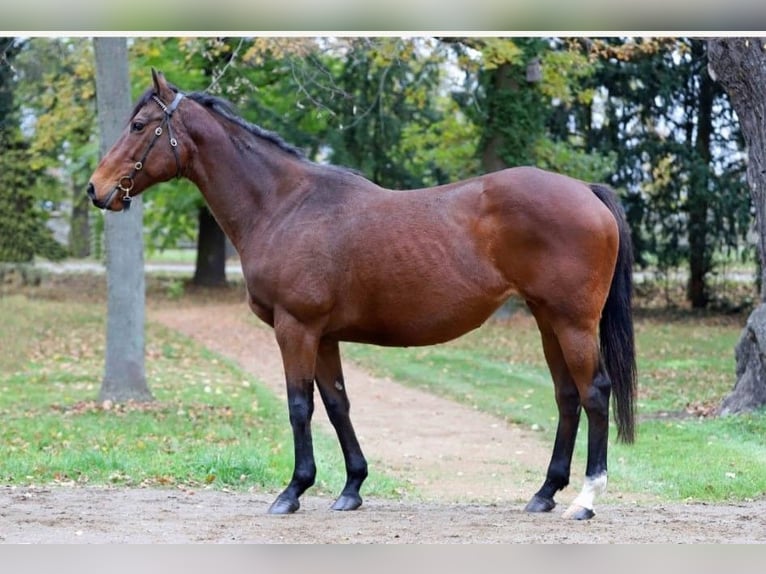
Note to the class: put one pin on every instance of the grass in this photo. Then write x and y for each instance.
(686, 366)
(211, 425)
(172, 256)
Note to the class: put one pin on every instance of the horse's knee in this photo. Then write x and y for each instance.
(300, 407)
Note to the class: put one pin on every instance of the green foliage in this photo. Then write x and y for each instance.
(515, 109)
(565, 71)
(573, 160)
(22, 219)
(389, 86)
(683, 176)
(441, 151)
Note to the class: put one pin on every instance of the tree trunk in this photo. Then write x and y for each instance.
(699, 249)
(491, 156)
(124, 373)
(739, 64)
(79, 228)
(210, 270)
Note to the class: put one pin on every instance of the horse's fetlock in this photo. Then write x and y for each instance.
(305, 477)
(358, 470)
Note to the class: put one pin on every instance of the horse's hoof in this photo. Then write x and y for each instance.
(540, 504)
(577, 512)
(284, 506)
(347, 502)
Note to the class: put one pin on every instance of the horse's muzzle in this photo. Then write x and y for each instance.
(92, 194)
(91, 191)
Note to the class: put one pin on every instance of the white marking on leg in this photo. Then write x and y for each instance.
(593, 487)
(339, 385)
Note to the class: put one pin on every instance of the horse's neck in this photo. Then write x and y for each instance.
(243, 192)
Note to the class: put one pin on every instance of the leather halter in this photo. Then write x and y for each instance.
(126, 182)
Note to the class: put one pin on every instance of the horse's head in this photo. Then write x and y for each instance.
(151, 149)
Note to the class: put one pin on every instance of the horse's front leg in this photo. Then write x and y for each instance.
(332, 388)
(298, 346)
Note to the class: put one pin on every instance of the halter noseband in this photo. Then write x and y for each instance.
(125, 183)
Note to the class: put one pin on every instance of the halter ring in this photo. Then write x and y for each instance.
(125, 188)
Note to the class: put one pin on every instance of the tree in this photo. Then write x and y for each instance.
(739, 64)
(522, 94)
(378, 105)
(22, 222)
(388, 104)
(124, 374)
(672, 131)
(57, 87)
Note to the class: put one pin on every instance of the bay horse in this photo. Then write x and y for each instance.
(329, 256)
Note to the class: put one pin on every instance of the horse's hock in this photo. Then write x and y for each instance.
(750, 391)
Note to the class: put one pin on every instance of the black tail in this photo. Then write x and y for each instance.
(618, 350)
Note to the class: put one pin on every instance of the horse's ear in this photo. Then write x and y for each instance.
(160, 84)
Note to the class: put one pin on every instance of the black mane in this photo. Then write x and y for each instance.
(226, 110)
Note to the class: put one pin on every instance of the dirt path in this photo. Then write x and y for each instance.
(474, 473)
(98, 515)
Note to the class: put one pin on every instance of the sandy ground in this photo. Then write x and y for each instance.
(474, 474)
(97, 515)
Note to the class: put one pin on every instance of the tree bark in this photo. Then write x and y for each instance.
(491, 156)
(210, 270)
(79, 230)
(699, 249)
(739, 64)
(124, 372)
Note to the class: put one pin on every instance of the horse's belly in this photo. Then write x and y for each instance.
(421, 322)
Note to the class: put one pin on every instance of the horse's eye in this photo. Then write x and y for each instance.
(136, 126)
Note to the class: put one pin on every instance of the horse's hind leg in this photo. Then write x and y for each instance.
(332, 388)
(568, 402)
(581, 353)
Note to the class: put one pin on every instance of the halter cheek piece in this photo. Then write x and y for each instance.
(125, 183)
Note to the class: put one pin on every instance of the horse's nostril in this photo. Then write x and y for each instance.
(91, 191)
